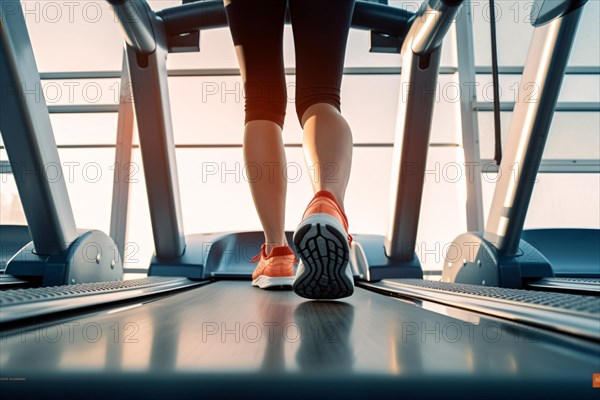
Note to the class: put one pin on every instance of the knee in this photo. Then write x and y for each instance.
(312, 102)
(270, 106)
(317, 109)
(276, 116)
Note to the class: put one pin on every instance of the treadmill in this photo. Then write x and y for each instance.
(196, 327)
(504, 254)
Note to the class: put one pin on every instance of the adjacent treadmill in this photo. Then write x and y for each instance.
(504, 254)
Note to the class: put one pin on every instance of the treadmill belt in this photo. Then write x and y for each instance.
(231, 328)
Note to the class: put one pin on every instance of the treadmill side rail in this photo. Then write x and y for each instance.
(573, 314)
(24, 304)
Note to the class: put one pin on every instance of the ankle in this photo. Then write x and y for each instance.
(271, 245)
(339, 197)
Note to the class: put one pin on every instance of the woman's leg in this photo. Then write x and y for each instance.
(257, 31)
(321, 239)
(327, 144)
(320, 35)
(264, 149)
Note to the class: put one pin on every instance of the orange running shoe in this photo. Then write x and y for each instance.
(276, 269)
(323, 244)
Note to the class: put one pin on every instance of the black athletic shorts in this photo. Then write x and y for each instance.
(320, 34)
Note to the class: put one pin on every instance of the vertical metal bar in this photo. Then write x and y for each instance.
(120, 196)
(496, 86)
(468, 118)
(29, 139)
(540, 85)
(153, 114)
(421, 54)
(418, 87)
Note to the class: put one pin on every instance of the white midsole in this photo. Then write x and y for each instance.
(264, 281)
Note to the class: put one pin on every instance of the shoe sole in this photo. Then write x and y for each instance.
(265, 282)
(322, 245)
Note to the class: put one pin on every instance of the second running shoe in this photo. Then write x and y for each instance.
(323, 245)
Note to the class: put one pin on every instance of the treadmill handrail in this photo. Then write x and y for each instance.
(210, 14)
(135, 24)
(432, 23)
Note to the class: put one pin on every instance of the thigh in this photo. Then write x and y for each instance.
(257, 31)
(320, 36)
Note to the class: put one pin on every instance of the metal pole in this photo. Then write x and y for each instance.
(418, 80)
(153, 114)
(468, 117)
(120, 196)
(29, 139)
(544, 71)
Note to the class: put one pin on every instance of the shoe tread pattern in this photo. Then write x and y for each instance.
(325, 254)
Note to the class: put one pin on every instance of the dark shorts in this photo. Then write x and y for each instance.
(320, 34)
